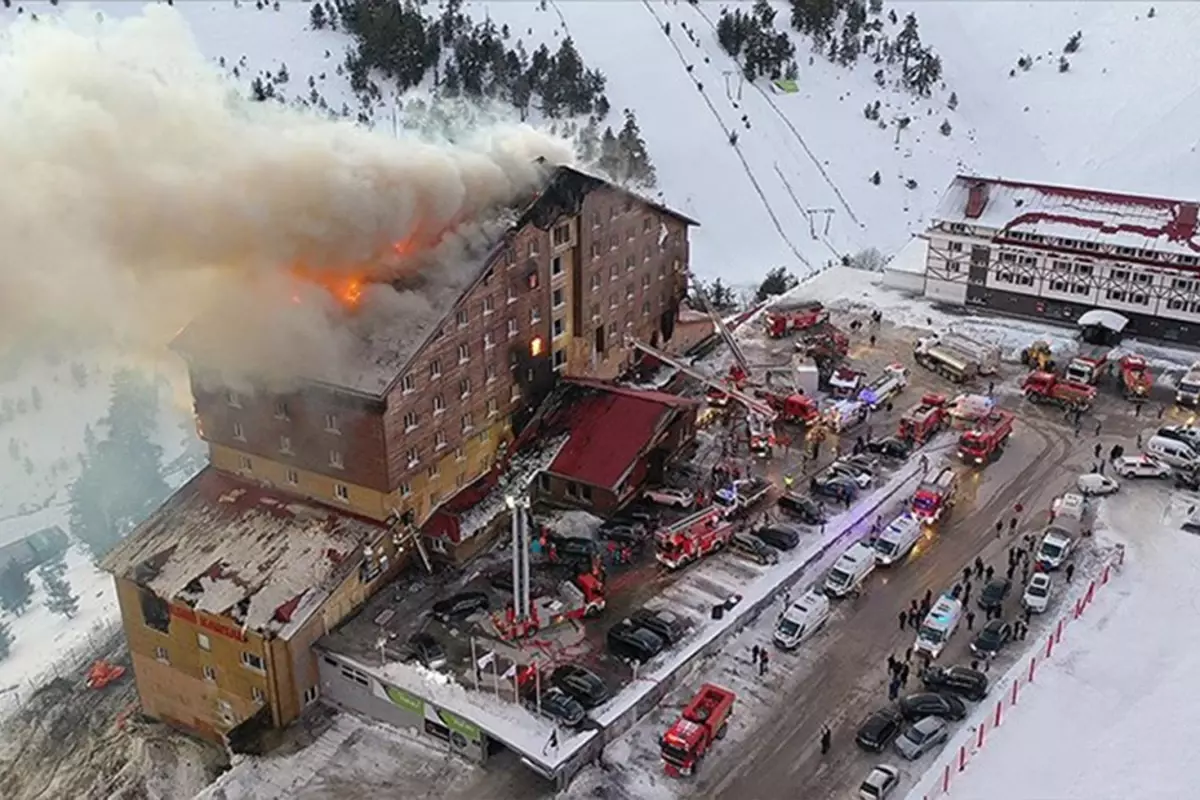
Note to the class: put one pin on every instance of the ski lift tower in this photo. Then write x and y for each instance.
(734, 96)
(522, 604)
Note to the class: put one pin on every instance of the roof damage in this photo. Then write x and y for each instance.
(226, 547)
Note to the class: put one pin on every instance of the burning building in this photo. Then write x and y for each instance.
(313, 493)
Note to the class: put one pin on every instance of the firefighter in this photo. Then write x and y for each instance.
(788, 482)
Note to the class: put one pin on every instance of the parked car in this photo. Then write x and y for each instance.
(557, 705)
(861, 476)
(994, 593)
(631, 643)
(1093, 484)
(880, 782)
(832, 484)
(962, 681)
(801, 505)
(890, 447)
(747, 545)
(1187, 479)
(1142, 466)
(991, 638)
(1192, 523)
(426, 650)
(632, 535)
(932, 704)
(1037, 593)
(501, 579)
(921, 737)
(675, 498)
(666, 625)
(1053, 551)
(1181, 433)
(460, 606)
(878, 730)
(862, 460)
(780, 536)
(573, 548)
(582, 684)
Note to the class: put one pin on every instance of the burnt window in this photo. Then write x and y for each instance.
(156, 613)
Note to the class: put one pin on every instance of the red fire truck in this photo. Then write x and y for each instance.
(583, 598)
(703, 722)
(1136, 377)
(796, 408)
(921, 422)
(692, 538)
(1046, 387)
(786, 317)
(985, 442)
(934, 498)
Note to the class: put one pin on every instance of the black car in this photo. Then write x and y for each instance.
(582, 684)
(994, 592)
(879, 729)
(747, 545)
(991, 638)
(891, 447)
(666, 625)
(573, 548)
(962, 681)
(461, 605)
(1186, 479)
(931, 704)
(781, 537)
(831, 484)
(631, 643)
(560, 706)
(501, 579)
(424, 648)
(631, 535)
(801, 505)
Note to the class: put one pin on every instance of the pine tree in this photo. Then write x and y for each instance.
(908, 41)
(945, 127)
(1072, 44)
(59, 598)
(952, 103)
(876, 7)
(15, 589)
(258, 91)
(317, 18)
(283, 76)
(610, 161)
(876, 178)
(6, 640)
(776, 282)
(848, 53)
(638, 169)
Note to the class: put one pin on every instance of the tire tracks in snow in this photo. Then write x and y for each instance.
(736, 148)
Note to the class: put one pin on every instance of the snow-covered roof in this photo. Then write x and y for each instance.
(912, 257)
(1157, 225)
(524, 467)
(227, 547)
(1104, 318)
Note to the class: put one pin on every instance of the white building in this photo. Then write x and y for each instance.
(1056, 252)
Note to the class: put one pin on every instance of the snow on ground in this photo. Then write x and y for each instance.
(1110, 715)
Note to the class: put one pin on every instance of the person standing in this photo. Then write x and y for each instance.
(826, 739)
(764, 659)
(903, 620)
(970, 620)
(1070, 572)
(904, 674)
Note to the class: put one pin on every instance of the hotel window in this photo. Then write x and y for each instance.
(489, 373)
(160, 654)
(231, 397)
(342, 492)
(467, 422)
(556, 267)
(954, 247)
(629, 291)
(439, 440)
(405, 490)
(489, 341)
(596, 282)
(203, 642)
(258, 695)
(510, 257)
(560, 327)
(647, 253)
(434, 472)
(464, 353)
(413, 457)
(511, 296)
(335, 459)
(595, 219)
(435, 369)
(331, 424)
(282, 411)
(285, 445)
(646, 223)
(439, 404)
(492, 407)
(595, 310)
(595, 250)
(464, 387)
(408, 384)
(612, 242)
(560, 358)
(293, 477)
(410, 421)
(512, 328)
(559, 298)
(562, 235)
(514, 393)
(535, 315)
(662, 273)
(630, 262)
(252, 660)
(245, 464)
(612, 301)
(533, 248)
(645, 281)
(460, 454)
(645, 308)
(239, 432)
(461, 317)
(210, 673)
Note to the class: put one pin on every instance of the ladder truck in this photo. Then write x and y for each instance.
(740, 372)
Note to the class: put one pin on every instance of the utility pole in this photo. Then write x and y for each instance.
(729, 91)
(812, 219)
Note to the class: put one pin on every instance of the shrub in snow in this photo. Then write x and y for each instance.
(1063, 64)
(869, 259)
(945, 127)
(952, 103)
(911, 183)
(875, 179)
(777, 281)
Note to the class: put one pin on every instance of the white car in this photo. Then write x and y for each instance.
(664, 496)
(1037, 593)
(1142, 466)
(1093, 484)
(879, 783)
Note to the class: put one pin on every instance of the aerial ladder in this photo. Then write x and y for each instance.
(753, 405)
(738, 356)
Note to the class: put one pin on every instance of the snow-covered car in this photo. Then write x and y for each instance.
(666, 496)
(862, 476)
(880, 782)
(1093, 484)
(1037, 593)
(1142, 466)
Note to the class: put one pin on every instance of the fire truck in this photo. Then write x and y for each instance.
(575, 600)
(703, 722)
(796, 408)
(692, 538)
(880, 391)
(1088, 366)
(985, 442)
(786, 317)
(921, 422)
(845, 382)
(1046, 387)
(1136, 377)
(936, 497)
(967, 409)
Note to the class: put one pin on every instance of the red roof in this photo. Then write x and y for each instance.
(610, 429)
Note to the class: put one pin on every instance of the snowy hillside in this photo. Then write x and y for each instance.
(796, 188)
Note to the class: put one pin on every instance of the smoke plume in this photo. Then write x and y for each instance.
(140, 188)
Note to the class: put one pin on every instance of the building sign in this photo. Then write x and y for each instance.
(403, 699)
(188, 615)
(467, 730)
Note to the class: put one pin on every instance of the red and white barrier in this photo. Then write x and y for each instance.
(936, 783)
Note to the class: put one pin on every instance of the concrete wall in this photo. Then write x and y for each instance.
(904, 281)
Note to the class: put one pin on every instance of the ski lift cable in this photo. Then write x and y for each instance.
(737, 149)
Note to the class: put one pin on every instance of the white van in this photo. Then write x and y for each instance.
(1071, 505)
(1055, 548)
(897, 539)
(850, 570)
(802, 619)
(1172, 452)
(939, 625)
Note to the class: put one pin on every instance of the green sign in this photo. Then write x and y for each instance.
(460, 725)
(404, 700)
(786, 86)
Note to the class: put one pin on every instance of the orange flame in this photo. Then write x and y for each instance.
(347, 286)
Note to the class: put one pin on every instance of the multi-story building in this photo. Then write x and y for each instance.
(300, 515)
(1053, 252)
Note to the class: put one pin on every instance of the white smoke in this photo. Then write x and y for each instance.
(138, 187)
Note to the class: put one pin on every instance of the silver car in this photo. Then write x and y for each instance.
(921, 737)
(879, 783)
